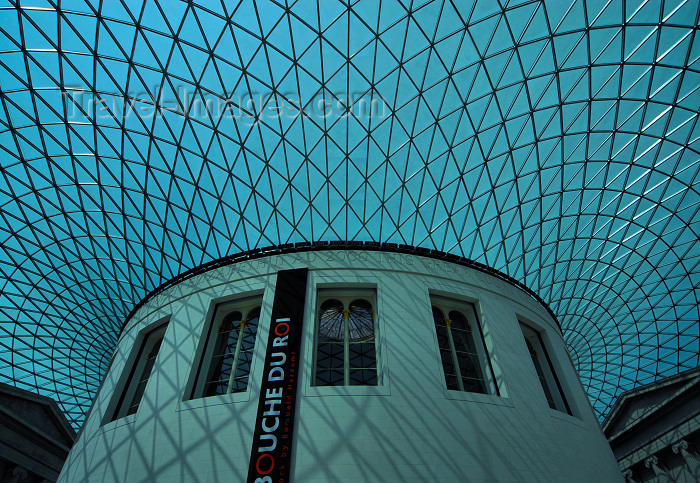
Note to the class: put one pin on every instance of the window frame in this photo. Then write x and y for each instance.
(127, 388)
(201, 371)
(470, 310)
(560, 401)
(346, 295)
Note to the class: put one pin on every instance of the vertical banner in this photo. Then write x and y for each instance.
(271, 454)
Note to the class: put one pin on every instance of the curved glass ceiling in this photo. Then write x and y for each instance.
(554, 141)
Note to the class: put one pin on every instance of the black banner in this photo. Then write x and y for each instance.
(271, 454)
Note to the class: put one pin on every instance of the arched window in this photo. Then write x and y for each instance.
(464, 358)
(544, 369)
(345, 343)
(135, 386)
(228, 350)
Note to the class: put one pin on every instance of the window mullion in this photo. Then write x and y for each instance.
(455, 360)
(236, 355)
(346, 347)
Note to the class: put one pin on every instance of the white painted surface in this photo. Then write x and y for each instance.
(410, 428)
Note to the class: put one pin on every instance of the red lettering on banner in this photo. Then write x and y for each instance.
(286, 325)
(272, 463)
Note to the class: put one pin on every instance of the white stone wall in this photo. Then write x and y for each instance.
(410, 428)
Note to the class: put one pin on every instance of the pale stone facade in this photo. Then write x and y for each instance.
(409, 427)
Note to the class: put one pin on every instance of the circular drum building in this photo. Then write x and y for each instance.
(328, 364)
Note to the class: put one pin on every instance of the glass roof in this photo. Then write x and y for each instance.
(555, 141)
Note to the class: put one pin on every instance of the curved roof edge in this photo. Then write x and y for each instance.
(336, 245)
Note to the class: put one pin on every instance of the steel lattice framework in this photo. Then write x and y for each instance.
(555, 141)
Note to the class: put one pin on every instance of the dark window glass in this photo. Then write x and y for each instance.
(135, 387)
(545, 371)
(228, 351)
(463, 355)
(345, 345)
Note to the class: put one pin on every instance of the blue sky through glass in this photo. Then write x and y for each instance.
(554, 141)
